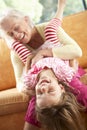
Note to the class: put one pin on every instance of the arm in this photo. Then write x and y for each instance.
(70, 48)
(18, 67)
(28, 62)
(22, 51)
(60, 9)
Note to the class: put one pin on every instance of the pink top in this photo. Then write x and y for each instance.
(62, 71)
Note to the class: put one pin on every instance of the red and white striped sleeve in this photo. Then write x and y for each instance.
(22, 51)
(51, 31)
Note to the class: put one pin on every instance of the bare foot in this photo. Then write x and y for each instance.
(61, 3)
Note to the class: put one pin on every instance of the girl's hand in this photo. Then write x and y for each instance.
(74, 63)
(41, 54)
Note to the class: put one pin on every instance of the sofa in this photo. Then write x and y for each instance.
(13, 105)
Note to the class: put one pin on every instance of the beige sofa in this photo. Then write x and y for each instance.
(13, 104)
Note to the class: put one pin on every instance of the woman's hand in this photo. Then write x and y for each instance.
(74, 63)
(27, 91)
(41, 54)
(28, 62)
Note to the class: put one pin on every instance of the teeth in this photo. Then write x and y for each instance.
(22, 35)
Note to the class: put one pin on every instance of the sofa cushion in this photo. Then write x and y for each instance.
(76, 26)
(11, 101)
(7, 79)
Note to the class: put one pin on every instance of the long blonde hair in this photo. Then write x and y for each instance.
(9, 12)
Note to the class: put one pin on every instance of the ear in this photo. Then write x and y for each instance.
(29, 21)
(62, 87)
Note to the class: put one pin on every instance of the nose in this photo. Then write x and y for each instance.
(44, 89)
(16, 34)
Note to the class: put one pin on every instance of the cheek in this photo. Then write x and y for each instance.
(30, 33)
(39, 103)
(58, 91)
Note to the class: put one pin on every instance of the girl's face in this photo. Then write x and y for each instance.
(48, 91)
(17, 28)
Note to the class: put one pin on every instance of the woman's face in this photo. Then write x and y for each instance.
(48, 91)
(17, 28)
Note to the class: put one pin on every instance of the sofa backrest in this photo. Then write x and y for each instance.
(76, 26)
(7, 79)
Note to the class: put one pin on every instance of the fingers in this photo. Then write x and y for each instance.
(28, 91)
(36, 59)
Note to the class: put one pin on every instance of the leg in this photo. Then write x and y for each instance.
(28, 126)
(83, 79)
(52, 27)
(74, 63)
(60, 8)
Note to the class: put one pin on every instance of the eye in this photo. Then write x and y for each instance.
(16, 28)
(10, 34)
(51, 91)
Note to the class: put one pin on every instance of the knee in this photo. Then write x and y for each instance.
(28, 126)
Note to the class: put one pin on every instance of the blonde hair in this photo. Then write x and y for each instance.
(11, 13)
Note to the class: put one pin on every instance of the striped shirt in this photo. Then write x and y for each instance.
(60, 67)
(22, 51)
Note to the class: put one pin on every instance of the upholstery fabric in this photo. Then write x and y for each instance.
(75, 26)
(7, 79)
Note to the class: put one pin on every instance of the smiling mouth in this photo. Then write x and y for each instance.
(22, 36)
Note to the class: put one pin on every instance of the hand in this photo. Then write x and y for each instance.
(41, 54)
(27, 91)
(61, 3)
(60, 8)
(9, 41)
(28, 62)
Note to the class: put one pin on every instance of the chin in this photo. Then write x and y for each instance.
(25, 41)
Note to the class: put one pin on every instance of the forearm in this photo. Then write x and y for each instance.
(42, 54)
(22, 51)
(69, 49)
